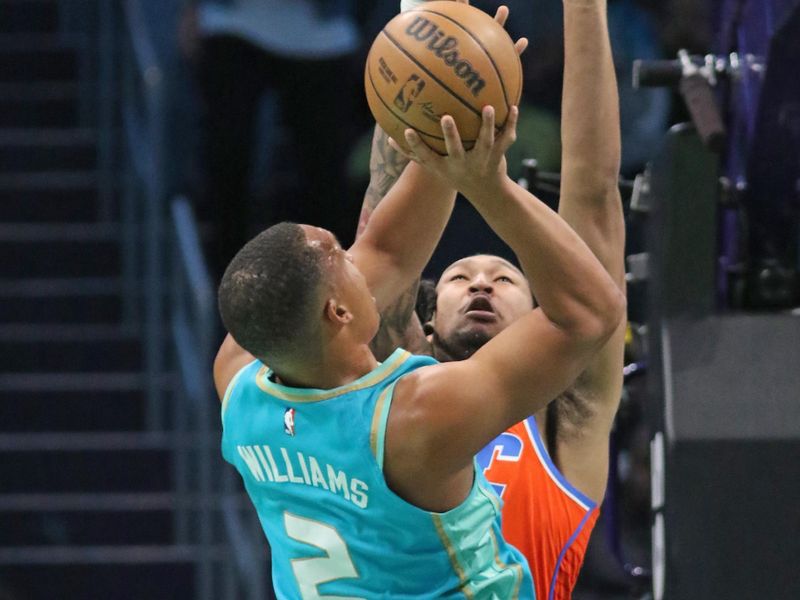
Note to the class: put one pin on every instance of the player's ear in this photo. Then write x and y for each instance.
(429, 327)
(337, 313)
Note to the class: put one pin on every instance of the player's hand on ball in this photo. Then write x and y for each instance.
(501, 16)
(468, 171)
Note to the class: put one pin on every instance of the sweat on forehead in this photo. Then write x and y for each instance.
(319, 238)
(482, 260)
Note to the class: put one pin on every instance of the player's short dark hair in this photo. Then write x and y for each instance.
(426, 300)
(269, 290)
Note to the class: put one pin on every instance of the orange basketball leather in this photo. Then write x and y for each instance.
(442, 58)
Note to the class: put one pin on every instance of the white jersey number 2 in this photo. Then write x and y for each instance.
(311, 572)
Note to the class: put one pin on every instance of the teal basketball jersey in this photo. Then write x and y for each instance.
(311, 461)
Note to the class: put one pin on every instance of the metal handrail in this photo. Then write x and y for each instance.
(188, 241)
(144, 51)
(144, 136)
(149, 220)
(193, 324)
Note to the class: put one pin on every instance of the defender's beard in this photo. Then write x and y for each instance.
(459, 345)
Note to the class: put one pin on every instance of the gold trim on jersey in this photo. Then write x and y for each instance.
(311, 395)
(503, 566)
(451, 553)
(377, 419)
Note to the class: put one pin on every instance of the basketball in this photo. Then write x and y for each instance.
(442, 58)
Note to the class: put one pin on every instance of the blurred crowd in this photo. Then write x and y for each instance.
(278, 127)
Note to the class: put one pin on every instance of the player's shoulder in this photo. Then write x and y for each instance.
(229, 361)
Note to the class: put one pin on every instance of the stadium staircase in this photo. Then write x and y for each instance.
(87, 491)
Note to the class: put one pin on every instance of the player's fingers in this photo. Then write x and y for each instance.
(421, 153)
(399, 149)
(486, 133)
(509, 134)
(501, 16)
(521, 45)
(452, 139)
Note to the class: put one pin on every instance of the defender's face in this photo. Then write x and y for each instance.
(347, 283)
(479, 296)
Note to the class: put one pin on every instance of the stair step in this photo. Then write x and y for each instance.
(54, 137)
(62, 354)
(34, 150)
(101, 555)
(53, 104)
(118, 502)
(49, 181)
(30, 41)
(20, 205)
(58, 232)
(87, 309)
(53, 255)
(27, 58)
(32, 91)
(104, 441)
(59, 287)
(65, 332)
(135, 573)
(76, 382)
(81, 462)
(31, 528)
(71, 411)
(67, 301)
(29, 16)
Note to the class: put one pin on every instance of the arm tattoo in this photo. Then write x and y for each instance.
(400, 327)
(385, 167)
(399, 324)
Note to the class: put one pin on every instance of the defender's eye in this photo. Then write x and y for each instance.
(457, 276)
(505, 279)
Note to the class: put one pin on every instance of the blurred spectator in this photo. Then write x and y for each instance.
(302, 51)
(644, 112)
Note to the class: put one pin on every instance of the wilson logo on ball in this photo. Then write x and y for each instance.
(446, 47)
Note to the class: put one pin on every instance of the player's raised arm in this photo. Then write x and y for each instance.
(590, 202)
(451, 411)
(399, 326)
(402, 233)
(590, 132)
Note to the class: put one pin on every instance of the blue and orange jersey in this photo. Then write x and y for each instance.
(312, 464)
(544, 516)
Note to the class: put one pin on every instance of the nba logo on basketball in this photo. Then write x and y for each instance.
(409, 91)
(288, 422)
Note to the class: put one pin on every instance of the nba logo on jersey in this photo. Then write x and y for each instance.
(288, 422)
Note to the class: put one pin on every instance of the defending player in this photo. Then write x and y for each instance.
(551, 468)
(362, 473)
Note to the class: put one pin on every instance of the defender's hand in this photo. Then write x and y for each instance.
(501, 16)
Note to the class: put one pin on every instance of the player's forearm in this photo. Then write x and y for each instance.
(405, 208)
(399, 325)
(571, 286)
(407, 224)
(385, 168)
(590, 127)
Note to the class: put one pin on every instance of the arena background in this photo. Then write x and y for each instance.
(113, 123)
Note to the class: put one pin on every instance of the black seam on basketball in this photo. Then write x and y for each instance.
(477, 41)
(389, 108)
(436, 79)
